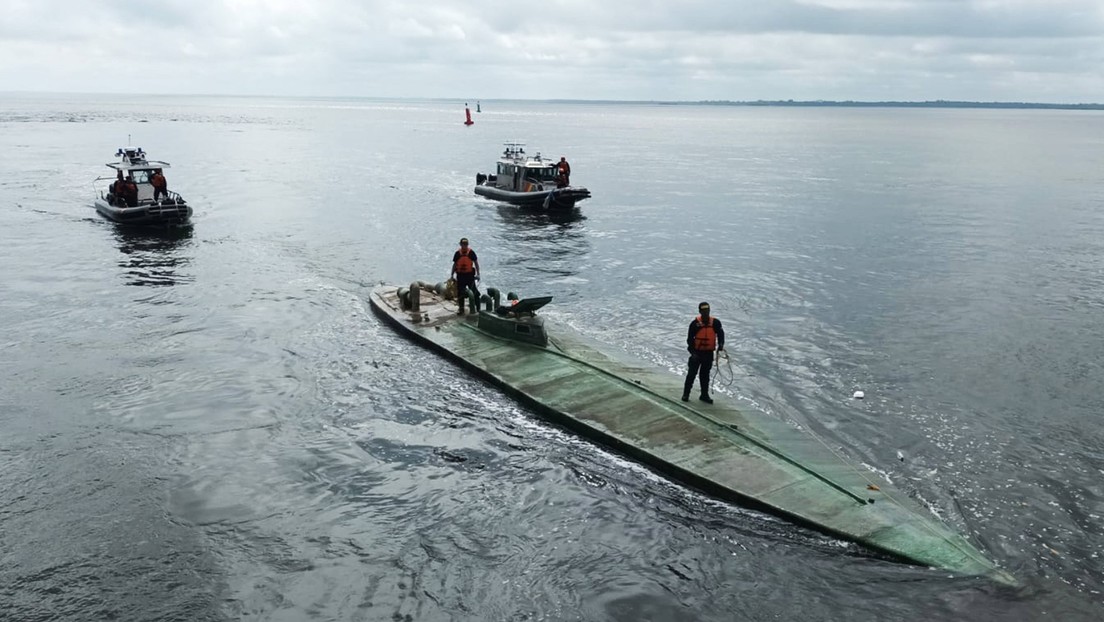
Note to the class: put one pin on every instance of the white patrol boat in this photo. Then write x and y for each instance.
(528, 181)
(139, 208)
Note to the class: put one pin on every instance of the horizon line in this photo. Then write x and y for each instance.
(715, 102)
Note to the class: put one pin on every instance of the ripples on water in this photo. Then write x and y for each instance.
(212, 425)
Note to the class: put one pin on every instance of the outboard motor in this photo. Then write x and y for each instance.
(480, 179)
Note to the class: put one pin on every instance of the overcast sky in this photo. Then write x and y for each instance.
(989, 50)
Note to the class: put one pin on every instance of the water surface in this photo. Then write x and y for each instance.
(213, 426)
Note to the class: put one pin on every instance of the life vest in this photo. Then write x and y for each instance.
(464, 263)
(131, 193)
(706, 337)
(565, 168)
(158, 181)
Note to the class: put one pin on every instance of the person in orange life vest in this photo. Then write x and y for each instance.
(130, 192)
(565, 170)
(465, 268)
(160, 185)
(705, 336)
(118, 189)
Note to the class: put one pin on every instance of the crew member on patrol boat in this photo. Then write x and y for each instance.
(465, 269)
(705, 337)
(130, 191)
(118, 190)
(160, 185)
(565, 171)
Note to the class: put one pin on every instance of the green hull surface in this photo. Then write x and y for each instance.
(748, 458)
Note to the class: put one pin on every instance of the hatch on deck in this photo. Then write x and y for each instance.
(523, 306)
(517, 321)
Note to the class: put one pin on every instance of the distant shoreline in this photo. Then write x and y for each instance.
(939, 103)
(792, 103)
(824, 103)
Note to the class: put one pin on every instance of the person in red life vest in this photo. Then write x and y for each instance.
(465, 268)
(565, 171)
(130, 192)
(704, 338)
(160, 185)
(118, 190)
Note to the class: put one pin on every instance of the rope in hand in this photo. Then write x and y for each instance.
(725, 372)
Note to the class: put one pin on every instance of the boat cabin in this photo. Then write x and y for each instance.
(518, 172)
(132, 161)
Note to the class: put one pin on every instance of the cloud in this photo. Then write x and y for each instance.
(648, 49)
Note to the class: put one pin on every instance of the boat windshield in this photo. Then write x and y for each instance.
(545, 173)
(141, 176)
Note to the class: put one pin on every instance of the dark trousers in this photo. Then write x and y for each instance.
(701, 361)
(157, 193)
(463, 282)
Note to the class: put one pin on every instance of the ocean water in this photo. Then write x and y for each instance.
(212, 425)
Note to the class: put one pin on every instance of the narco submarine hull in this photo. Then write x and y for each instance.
(745, 457)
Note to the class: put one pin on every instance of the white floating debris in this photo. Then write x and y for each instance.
(859, 395)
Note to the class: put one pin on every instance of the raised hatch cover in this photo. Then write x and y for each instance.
(529, 305)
